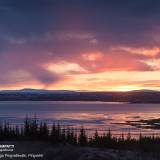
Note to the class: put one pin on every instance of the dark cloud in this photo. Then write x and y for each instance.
(44, 76)
(115, 22)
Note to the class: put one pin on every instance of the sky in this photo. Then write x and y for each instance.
(100, 45)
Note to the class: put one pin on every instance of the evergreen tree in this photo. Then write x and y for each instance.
(82, 139)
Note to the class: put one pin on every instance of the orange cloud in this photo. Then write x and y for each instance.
(113, 61)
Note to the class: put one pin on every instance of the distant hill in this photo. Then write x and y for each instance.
(137, 96)
(38, 91)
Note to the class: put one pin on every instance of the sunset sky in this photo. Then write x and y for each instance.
(103, 45)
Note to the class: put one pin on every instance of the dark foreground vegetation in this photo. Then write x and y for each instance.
(72, 152)
(58, 134)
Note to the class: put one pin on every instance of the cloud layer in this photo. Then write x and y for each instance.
(47, 43)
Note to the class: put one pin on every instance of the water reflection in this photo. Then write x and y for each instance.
(100, 116)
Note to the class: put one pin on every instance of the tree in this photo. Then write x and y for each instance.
(82, 140)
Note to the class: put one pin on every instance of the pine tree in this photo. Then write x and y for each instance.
(82, 140)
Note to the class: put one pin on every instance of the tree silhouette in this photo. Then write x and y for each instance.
(32, 130)
(82, 140)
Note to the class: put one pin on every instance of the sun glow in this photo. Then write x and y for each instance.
(126, 88)
(110, 81)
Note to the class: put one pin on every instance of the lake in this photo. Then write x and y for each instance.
(92, 115)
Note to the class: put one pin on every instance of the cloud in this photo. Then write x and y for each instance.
(149, 52)
(44, 76)
(76, 37)
(63, 67)
(95, 56)
(14, 77)
(69, 36)
(114, 61)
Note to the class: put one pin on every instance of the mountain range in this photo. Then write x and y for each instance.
(136, 96)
